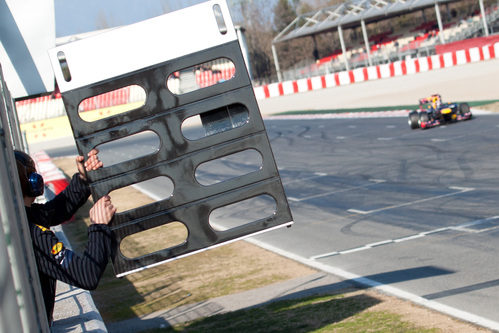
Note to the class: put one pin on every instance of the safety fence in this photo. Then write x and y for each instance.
(398, 68)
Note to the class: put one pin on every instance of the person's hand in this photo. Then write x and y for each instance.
(102, 211)
(92, 163)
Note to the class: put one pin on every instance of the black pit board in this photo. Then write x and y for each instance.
(177, 158)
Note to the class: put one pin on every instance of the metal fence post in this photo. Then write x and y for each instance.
(21, 299)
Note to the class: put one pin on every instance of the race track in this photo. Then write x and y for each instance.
(412, 212)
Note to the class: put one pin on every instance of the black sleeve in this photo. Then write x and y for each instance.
(56, 261)
(64, 205)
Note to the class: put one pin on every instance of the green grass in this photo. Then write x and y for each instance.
(376, 109)
(329, 313)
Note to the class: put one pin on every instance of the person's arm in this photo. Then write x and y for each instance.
(66, 203)
(83, 271)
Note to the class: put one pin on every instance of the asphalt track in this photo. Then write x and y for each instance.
(410, 209)
(411, 212)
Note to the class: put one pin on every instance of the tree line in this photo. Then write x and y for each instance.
(263, 20)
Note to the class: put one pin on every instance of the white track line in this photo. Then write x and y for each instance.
(461, 227)
(442, 308)
(147, 192)
(456, 313)
(316, 175)
(365, 212)
(324, 194)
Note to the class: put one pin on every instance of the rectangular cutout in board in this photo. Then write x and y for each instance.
(204, 162)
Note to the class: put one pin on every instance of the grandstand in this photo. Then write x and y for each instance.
(392, 43)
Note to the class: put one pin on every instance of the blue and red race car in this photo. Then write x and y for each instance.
(432, 112)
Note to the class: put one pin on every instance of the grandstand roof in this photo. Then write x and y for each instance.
(349, 15)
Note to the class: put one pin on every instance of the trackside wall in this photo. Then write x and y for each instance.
(398, 68)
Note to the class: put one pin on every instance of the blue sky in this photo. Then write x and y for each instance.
(78, 16)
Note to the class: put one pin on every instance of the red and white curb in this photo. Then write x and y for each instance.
(398, 68)
(53, 177)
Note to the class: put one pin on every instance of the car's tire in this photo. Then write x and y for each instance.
(413, 119)
(423, 117)
(464, 108)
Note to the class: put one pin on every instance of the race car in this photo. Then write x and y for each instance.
(432, 112)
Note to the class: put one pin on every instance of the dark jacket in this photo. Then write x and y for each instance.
(53, 259)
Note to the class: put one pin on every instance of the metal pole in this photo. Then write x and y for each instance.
(14, 121)
(343, 49)
(366, 41)
(440, 27)
(244, 48)
(7, 106)
(26, 311)
(276, 62)
(10, 317)
(484, 19)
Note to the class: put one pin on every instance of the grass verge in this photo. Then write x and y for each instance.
(494, 104)
(349, 312)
